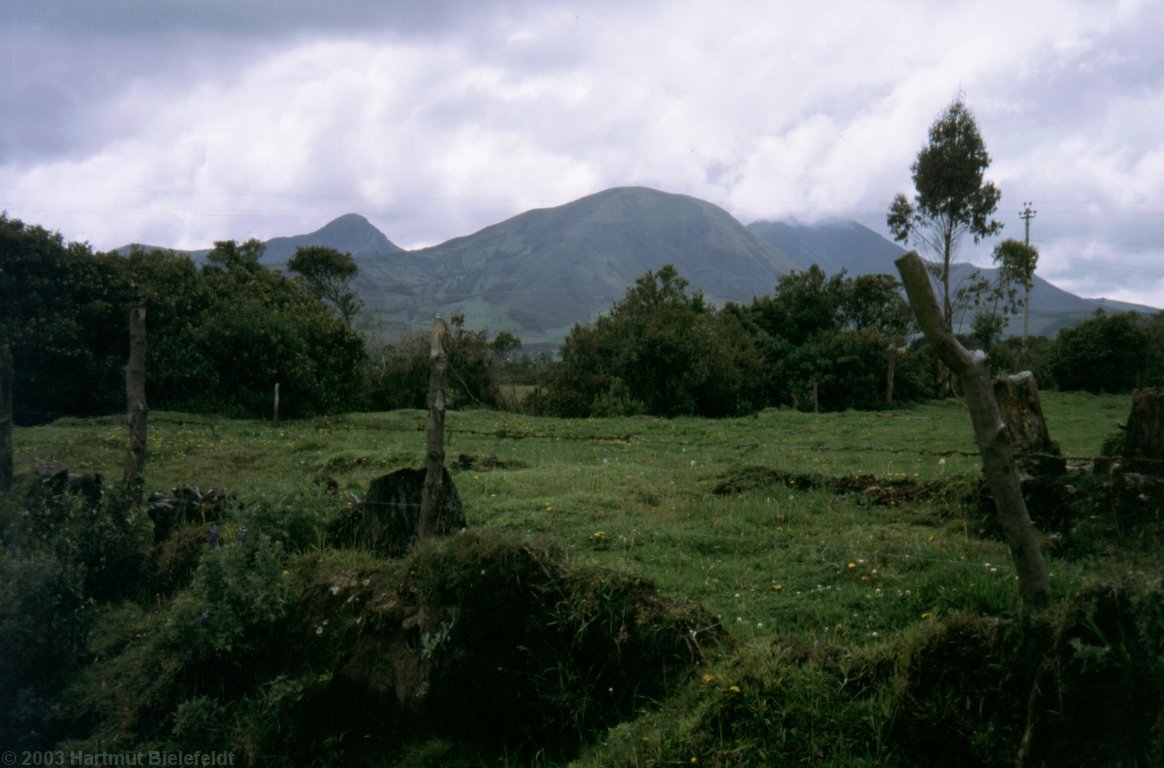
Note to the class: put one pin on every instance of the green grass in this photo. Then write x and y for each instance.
(777, 563)
(636, 494)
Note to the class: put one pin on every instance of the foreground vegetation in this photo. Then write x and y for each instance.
(859, 609)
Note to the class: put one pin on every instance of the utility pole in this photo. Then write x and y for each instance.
(1026, 215)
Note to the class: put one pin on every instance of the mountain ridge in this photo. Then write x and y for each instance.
(540, 272)
(1052, 308)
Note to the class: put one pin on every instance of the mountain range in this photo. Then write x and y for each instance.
(540, 272)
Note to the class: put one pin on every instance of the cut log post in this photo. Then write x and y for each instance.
(136, 406)
(6, 456)
(990, 432)
(1144, 436)
(431, 522)
(1036, 454)
(389, 519)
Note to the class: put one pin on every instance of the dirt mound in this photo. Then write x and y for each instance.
(483, 640)
(888, 492)
(1081, 686)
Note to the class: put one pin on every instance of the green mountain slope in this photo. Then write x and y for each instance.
(539, 273)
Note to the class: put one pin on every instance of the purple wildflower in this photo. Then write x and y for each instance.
(242, 532)
(213, 537)
(204, 619)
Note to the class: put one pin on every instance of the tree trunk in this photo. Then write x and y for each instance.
(990, 431)
(6, 381)
(136, 406)
(432, 522)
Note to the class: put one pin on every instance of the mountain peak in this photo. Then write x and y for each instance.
(350, 233)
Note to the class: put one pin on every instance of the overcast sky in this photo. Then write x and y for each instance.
(181, 123)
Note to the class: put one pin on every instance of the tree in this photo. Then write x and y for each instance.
(658, 351)
(260, 329)
(227, 255)
(832, 341)
(1102, 354)
(503, 345)
(62, 313)
(990, 431)
(1017, 262)
(986, 330)
(874, 303)
(952, 197)
(327, 275)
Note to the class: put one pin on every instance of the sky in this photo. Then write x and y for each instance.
(181, 123)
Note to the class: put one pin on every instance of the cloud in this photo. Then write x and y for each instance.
(183, 124)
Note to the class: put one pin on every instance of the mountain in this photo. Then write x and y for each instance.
(351, 233)
(834, 245)
(539, 273)
(837, 245)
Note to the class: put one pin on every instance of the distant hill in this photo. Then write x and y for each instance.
(350, 233)
(539, 273)
(837, 245)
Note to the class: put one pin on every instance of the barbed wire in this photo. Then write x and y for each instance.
(628, 438)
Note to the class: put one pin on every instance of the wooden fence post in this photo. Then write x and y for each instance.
(430, 499)
(136, 406)
(6, 381)
(276, 412)
(990, 431)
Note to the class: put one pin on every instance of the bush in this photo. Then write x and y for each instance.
(1103, 354)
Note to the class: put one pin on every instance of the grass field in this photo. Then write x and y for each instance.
(741, 515)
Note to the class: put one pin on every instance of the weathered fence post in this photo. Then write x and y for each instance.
(276, 412)
(6, 380)
(990, 431)
(430, 506)
(136, 406)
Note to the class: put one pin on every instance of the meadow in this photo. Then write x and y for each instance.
(829, 546)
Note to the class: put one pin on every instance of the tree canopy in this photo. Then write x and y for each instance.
(220, 337)
(327, 275)
(664, 352)
(952, 196)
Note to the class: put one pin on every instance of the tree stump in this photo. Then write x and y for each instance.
(389, 521)
(1038, 459)
(1136, 482)
(1018, 401)
(1144, 436)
